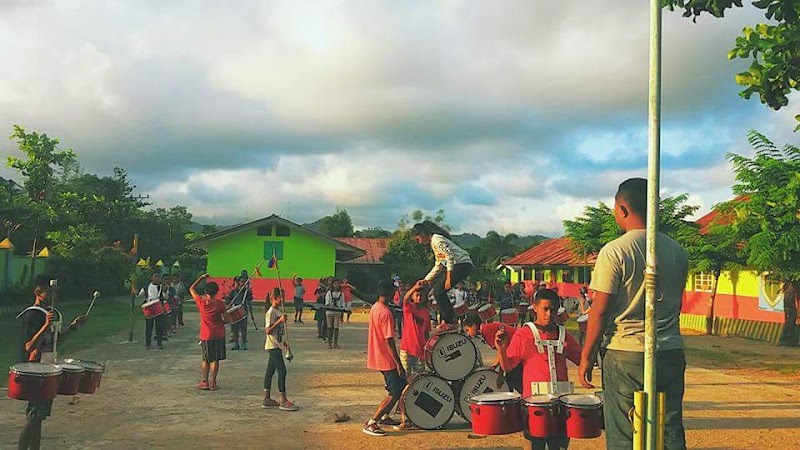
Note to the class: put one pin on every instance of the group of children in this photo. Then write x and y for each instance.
(334, 305)
(170, 291)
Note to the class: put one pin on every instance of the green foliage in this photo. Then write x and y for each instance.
(766, 216)
(405, 257)
(418, 215)
(43, 160)
(337, 225)
(373, 233)
(774, 48)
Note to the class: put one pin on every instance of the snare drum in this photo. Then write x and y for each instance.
(509, 316)
(522, 308)
(451, 354)
(33, 381)
(167, 308)
(428, 400)
(71, 375)
(474, 307)
(93, 373)
(582, 415)
(583, 321)
(487, 312)
(496, 413)
(461, 309)
(152, 309)
(234, 315)
(482, 381)
(543, 416)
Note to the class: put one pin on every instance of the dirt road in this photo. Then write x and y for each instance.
(148, 400)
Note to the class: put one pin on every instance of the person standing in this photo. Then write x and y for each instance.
(347, 288)
(617, 315)
(152, 293)
(449, 256)
(299, 295)
(212, 332)
(334, 306)
(180, 294)
(397, 305)
(319, 314)
(240, 295)
(275, 329)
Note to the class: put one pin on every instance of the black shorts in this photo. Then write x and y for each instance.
(39, 410)
(213, 350)
(298, 304)
(393, 383)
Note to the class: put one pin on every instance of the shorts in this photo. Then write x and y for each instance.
(411, 363)
(393, 383)
(298, 304)
(213, 350)
(39, 410)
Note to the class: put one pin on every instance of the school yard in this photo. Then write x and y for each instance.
(740, 394)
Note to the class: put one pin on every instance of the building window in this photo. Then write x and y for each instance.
(273, 248)
(526, 274)
(702, 281)
(566, 275)
(584, 275)
(265, 230)
(281, 230)
(538, 274)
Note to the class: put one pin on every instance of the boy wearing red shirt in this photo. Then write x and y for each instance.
(474, 327)
(417, 325)
(212, 332)
(542, 354)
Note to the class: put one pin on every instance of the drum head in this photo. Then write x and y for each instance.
(89, 366)
(482, 381)
(508, 311)
(151, 303)
(66, 367)
(453, 356)
(581, 401)
(495, 398)
(543, 399)
(484, 308)
(35, 368)
(583, 318)
(429, 401)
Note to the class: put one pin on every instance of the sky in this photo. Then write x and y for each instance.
(510, 116)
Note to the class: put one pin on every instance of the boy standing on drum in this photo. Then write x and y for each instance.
(542, 348)
(275, 328)
(212, 332)
(382, 356)
(474, 327)
(37, 341)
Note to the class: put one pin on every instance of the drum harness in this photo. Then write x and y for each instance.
(553, 347)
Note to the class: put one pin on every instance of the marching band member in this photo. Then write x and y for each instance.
(212, 332)
(347, 288)
(299, 295)
(275, 330)
(474, 327)
(334, 302)
(153, 292)
(542, 348)
(240, 295)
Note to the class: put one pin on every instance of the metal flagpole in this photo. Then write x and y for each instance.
(651, 270)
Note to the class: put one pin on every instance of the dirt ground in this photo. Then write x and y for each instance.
(148, 400)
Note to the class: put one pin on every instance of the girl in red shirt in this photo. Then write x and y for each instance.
(212, 332)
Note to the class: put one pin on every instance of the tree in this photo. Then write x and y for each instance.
(373, 233)
(418, 216)
(406, 258)
(766, 216)
(774, 49)
(337, 225)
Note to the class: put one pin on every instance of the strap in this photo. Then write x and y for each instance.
(537, 338)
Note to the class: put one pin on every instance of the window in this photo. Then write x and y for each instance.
(281, 230)
(538, 274)
(271, 247)
(526, 274)
(584, 275)
(265, 230)
(702, 281)
(566, 275)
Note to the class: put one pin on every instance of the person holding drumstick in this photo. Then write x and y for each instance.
(474, 327)
(275, 329)
(212, 331)
(334, 304)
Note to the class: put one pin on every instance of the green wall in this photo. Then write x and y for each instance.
(15, 269)
(304, 254)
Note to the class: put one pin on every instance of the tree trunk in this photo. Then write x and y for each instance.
(789, 335)
(711, 299)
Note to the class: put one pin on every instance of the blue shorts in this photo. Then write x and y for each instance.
(393, 383)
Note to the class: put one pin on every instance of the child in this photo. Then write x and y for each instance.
(319, 314)
(542, 348)
(275, 328)
(240, 295)
(417, 326)
(334, 302)
(299, 294)
(153, 292)
(474, 327)
(347, 288)
(212, 332)
(180, 292)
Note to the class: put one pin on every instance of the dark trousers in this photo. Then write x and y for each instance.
(460, 272)
(274, 363)
(240, 328)
(179, 313)
(398, 321)
(158, 323)
(622, 376)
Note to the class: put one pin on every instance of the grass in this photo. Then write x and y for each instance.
(107, 318)
(698, 356)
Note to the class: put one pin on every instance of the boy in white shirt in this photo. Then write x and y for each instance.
(275, 329)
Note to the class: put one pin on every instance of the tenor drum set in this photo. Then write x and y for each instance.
(34, 381)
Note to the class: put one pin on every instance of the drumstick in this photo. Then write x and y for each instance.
(289, 355)
(244, 286)
(94, 297)
(53, 288)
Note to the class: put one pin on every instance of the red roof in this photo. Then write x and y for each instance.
(375, 248)
(714, 217)
(555, 252)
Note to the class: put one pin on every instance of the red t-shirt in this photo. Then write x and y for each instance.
(211, 324)
(416, 325)
(381, 329)
(489, 331)
(535, 368)
(348, 293)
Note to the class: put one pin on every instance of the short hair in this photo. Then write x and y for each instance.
(385, 288)
(154, 273)
(277, 292)
(211, 288)
(634, 192)
(299, 280)
(41, 285)
(473, 319)
(548, 294)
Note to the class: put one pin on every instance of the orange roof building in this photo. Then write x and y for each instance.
(374, 249)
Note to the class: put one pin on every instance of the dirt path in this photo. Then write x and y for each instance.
(148, 400)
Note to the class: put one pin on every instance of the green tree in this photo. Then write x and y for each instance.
(373, 233)
(406, 258)
(766, 216)
(339, 224)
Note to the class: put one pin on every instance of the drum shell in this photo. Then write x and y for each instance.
(234, 315)
(493, 419)
(70, 381)
(409, 390)
(167, 307)
(522, 308)
(430, 351)
(487, 312)
(153, 309)
(33, 386)
(462, 398)
(543, 420)
(582, 421)
(509, 316)
(461, 309)
(92, 375)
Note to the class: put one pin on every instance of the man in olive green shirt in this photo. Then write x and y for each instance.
(617, 316)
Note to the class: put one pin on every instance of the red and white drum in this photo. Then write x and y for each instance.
(461, 309)
(474, 307)
(543, 417)
(429, 401)
(451, 354)
(522, 308)
(582, 415)
(487, 312)
(583, 320)
(71, 376)
(33, 381)
(152, 309)
(234, 315)
(509, 316)
(93, 373)
(482, 381)
(496, 413)
(167, 308)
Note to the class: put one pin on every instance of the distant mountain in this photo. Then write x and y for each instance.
(470, 240)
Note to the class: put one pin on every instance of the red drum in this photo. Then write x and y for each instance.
(482, 381)
(33, 381)
(509, 316)
(71, 376)
(543, 415)
(92, 374)
(486, 312)
(474, 307)
(522, 308)
(496, 413)
(167, 308)
(583, 413)
(451, 355)
(461, 309)
(583, 321)
(234, 315)
(152, 309)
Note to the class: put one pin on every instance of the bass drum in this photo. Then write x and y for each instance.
(451, 354)
(428, 401)
(482, 381)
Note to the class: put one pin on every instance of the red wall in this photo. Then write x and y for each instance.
(731, 306)
(261, 286)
